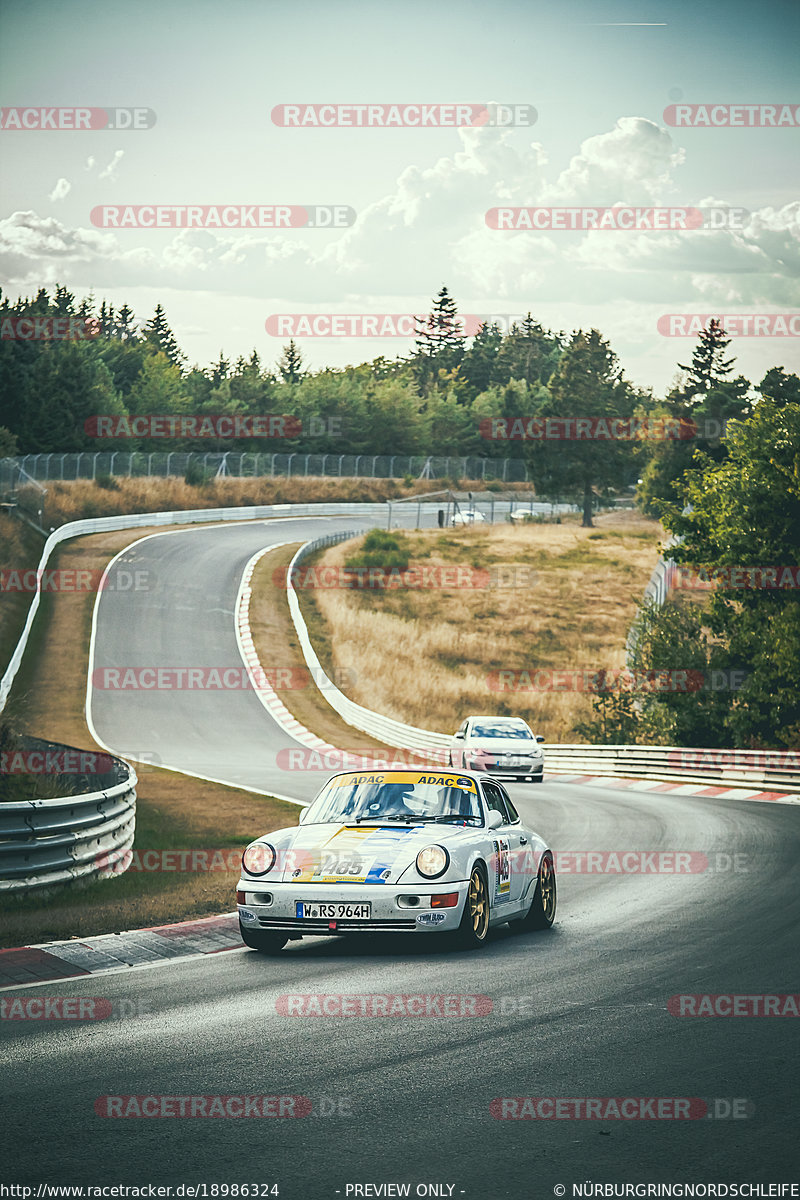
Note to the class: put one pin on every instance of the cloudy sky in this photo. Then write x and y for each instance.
(599, 73)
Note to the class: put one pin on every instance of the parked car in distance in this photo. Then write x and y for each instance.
(469, 516)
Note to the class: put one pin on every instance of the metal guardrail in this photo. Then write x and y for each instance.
(385, 729)
(53, 843)
(769, 769)
(773, 770)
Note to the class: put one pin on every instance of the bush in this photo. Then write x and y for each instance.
(195, 475)
(107, 482)
(382, 549)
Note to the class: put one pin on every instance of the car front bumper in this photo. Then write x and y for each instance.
(273, 906)
(529, 771)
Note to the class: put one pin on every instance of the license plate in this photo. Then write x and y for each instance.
(514, 762)
(333, 912)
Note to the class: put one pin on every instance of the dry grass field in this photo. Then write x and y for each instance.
(83, 498)
(426, 656)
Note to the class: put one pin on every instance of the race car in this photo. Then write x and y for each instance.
(503, 746)
(406, 851)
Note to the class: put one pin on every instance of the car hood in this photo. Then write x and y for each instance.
(327, 853)
(504, 745)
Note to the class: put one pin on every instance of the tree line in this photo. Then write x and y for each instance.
(450, 396)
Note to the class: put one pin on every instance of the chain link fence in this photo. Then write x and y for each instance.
(93, 464)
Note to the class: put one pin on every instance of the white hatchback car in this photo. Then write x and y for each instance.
(469, 516)
(505, 747)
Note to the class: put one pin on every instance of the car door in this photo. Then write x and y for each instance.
(510, 850)
(522, 857)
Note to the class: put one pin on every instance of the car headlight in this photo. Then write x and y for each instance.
(259, 858)
(433, 861)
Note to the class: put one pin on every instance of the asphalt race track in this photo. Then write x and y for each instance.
(580, 1011)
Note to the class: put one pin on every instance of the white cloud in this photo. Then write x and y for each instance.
(430, 229)
(110, 172)
(61, 190)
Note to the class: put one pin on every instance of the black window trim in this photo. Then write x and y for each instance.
(501, 792)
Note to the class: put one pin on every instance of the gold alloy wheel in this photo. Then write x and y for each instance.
(478, 902)
(547, 889)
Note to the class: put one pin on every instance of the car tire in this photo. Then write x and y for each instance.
(263, 940)
(542, 912)
(539, 778)
(474, 928)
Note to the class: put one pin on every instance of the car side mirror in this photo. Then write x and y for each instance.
(459, 734)
(303, 815)
(495, 819)
(539, 737)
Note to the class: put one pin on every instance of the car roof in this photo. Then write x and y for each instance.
(504, 720)
(410, 771)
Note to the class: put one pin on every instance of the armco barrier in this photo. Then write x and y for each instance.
(52, 843)
(779, 770)
(393, 733)
(776, 770)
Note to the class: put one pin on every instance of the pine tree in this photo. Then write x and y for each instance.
(441, 331)
(708, 367)
(159, 336)
(290, 364)
(220, 370)
(124, 327)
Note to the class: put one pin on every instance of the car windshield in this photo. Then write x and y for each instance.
(395, 796)
(501, 729)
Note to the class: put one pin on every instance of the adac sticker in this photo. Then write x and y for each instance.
(246, 915)
(430, 918)
(437, 779)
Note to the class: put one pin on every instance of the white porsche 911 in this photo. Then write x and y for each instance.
(406, 851)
